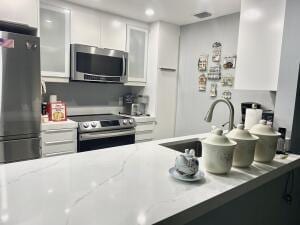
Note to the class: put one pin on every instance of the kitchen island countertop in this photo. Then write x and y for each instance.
(124, 185)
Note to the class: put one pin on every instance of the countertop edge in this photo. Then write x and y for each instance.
(202, 208)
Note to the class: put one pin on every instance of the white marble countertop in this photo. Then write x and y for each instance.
(125, 185)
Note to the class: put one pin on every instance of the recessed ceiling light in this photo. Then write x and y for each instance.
(149, 12)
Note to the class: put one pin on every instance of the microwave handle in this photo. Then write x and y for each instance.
(124, 66)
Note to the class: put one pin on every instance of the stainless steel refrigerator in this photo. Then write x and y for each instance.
(20, 96)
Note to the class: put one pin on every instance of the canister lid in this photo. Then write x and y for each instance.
(216, 137)
(241, 134)
(263, 129)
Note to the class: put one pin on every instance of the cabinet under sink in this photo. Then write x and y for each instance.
(180, 146)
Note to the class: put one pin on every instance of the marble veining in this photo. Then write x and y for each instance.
(95, 186)
(27, 173)
(126, 185)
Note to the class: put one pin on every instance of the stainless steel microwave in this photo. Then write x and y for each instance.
(98, 64)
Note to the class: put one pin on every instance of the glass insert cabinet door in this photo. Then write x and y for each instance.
(137, 47)
(55, 40)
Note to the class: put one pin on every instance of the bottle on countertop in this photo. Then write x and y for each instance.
(44, 108)
(281, 140)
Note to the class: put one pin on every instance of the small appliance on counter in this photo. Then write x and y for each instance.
(135, 105)
(268, 115)
(142, 101)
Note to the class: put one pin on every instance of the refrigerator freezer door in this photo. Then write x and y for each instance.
(17, 150)
(20, 86)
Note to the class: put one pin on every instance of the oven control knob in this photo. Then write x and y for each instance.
(94, 124)
(131, 121)
(86, 125)
(125, 122)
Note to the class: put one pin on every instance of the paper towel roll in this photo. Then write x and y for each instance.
(253, 116)
(52, 98)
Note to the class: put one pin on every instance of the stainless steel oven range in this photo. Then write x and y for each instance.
(104, 131)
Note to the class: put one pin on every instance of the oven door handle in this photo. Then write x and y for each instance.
(97, 135)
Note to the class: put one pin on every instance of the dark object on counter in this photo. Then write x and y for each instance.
(44, 108)
(268, 115)
(281, 141)
(246, 105)
(129, 98)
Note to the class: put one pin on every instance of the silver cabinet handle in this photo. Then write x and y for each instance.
(98, 135)
(58, 142)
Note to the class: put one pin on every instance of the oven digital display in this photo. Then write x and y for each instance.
(110, 123)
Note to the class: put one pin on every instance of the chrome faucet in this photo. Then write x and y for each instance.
(209, 114)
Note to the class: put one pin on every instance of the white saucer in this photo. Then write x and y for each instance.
(198, 176)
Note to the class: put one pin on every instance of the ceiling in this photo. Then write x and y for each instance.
(174, 11)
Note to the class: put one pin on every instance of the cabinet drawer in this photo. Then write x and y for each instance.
(148, 135)
(147, 126)
(59, 135)
(59, 148)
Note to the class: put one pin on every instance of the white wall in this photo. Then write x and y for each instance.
(197, 39)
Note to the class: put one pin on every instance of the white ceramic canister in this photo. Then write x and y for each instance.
(217, 152)
(244, 151)
(265, 149)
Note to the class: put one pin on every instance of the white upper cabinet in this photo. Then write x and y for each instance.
(168, 47)
(55, 43)
(259, 45)
(113, 33)
(137, 48)
(20, 11)
(85, 27)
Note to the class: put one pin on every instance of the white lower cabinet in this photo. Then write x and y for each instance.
(58, 138)
(144, 129)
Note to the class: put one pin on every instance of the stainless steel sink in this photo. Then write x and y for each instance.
(180, 146)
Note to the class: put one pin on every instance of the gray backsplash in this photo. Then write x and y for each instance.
(86, 98)
(192, 105)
